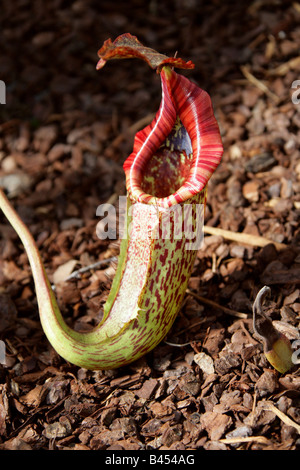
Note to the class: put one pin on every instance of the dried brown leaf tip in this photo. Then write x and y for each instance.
(277, 347)
(127, 46)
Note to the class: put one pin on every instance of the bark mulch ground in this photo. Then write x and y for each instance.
(64, 133)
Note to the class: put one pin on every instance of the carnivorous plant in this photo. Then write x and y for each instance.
(167, 173)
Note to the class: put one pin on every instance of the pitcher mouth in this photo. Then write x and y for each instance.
(179, 150)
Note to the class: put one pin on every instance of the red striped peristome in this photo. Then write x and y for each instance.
(180, 98)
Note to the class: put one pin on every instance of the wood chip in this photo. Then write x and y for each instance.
(240, 440)
(268, 405)
(259, 84)
(64, 271)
